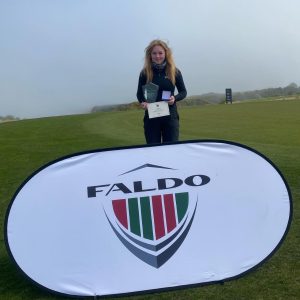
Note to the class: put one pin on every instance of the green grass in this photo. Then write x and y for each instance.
(271, 127)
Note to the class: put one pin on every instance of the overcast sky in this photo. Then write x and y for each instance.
(61, 57)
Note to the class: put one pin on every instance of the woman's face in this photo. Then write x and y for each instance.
(158, 54)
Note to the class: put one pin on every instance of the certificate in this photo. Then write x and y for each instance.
(158, 109)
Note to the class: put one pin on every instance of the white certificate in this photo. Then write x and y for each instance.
(158, 109)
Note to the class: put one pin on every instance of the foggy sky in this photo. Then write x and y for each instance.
(62, 57)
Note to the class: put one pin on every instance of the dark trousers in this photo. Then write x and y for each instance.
(162, 129)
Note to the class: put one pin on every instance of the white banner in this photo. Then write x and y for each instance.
(143, 218)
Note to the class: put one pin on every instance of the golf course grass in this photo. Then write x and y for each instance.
(270, 127)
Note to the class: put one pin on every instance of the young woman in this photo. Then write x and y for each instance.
(160, 69)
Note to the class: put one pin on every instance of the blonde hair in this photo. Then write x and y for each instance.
(170, 66)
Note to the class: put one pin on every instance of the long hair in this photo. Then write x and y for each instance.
(170, 66)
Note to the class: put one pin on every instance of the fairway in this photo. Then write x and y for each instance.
(270, 127)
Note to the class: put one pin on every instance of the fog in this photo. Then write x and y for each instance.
(63, 57)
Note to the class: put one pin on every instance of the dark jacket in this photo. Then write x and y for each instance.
(160, 79)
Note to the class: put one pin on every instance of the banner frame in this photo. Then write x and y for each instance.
(99, 150)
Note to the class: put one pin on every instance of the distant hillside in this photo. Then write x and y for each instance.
(214, 98)
(291, 89)
(117, 107)
(8, 118)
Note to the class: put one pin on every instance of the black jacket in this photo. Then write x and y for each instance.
(160, 79)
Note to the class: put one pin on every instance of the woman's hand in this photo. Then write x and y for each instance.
(171, 100)
(144, 105)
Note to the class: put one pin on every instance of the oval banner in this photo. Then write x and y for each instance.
(144, 218)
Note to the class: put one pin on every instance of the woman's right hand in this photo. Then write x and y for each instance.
(144, 105)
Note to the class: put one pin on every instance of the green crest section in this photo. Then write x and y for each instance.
(182, 203)
(146, 218)
(134, 216)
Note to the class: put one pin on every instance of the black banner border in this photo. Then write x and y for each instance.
(167, 289)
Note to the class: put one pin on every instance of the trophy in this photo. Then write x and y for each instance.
(150, 91)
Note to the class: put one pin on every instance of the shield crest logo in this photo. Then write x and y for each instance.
(151, 217)
(153, 226)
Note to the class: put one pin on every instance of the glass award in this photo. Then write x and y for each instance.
(150, 91)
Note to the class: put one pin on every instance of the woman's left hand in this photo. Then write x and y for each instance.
(171, 100)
